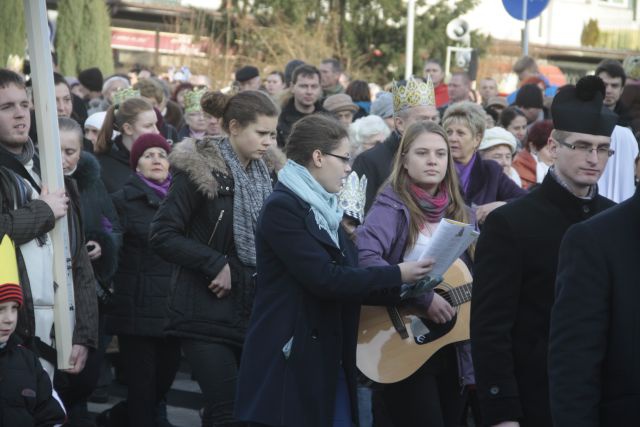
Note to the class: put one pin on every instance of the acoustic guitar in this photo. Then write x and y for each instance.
(394, 342)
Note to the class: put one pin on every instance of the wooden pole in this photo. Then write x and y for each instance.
(51, 166)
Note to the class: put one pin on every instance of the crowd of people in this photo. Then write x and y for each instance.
(243, 230)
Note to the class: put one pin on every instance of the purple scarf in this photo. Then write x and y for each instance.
(464, 172)
(160, 189)
(432, 206)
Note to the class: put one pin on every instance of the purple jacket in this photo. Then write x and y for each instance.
(382, 240)
(488, 183)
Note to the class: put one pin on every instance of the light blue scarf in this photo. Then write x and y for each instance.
(324, 205)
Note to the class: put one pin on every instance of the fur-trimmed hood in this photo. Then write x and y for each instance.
(200, 159)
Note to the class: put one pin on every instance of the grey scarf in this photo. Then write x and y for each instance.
(27, 152)
(251, 187)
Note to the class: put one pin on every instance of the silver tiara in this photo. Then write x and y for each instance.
(353, 195)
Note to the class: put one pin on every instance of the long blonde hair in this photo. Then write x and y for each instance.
(400, 180)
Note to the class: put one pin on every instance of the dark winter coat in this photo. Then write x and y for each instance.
(308, 295)
(25, 389)
(288, 117)
(141, 285)
(194, 230)
(167, 130)
(376, 165)
(31, 220)
(99, 218)
(184, 132)
(594, 348)
(114, 164)
(85, 331)
(513, 292)
(488, 183)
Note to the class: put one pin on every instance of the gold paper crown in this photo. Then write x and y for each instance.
(414, 94)
(192, 100)
(123, 94)
(353, 196)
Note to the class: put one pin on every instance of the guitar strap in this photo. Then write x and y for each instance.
(397, 322)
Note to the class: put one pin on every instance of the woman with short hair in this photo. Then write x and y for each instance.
(366, 133)
(484, 186)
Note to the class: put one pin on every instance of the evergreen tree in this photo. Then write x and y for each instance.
(13, 37)
(83, 36)
(94, 48)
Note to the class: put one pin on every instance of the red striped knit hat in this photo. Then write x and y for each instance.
(10, 289)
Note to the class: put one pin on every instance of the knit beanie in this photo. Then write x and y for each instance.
(91, 78)
(383, 105)
(143, 143)
(498, 136)
(10, 289)
(529, 96)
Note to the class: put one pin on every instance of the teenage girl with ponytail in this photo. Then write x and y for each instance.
(128, 120)
(206, 227)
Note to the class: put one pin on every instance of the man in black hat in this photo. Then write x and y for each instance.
(517, 255)
(248, 77)
(529, 99)
(91, 85)
(594, 346)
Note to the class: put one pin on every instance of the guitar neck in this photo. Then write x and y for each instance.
(458, 295)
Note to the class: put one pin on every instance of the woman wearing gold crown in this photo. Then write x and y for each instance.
(423, 189)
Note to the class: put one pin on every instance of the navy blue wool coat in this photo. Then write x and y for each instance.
(308, 295)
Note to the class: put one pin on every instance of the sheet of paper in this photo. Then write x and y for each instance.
(448, 243)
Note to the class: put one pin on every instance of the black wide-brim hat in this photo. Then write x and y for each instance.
(580, 109)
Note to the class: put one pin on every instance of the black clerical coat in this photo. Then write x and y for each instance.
(594, 348)
(513, 292)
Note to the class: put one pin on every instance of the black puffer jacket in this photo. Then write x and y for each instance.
(141, 284)
(97, 210)
(194, 230)
(25, 389)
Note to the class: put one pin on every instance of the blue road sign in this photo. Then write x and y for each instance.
(534, 8)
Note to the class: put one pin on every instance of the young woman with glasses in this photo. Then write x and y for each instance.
(298, 363)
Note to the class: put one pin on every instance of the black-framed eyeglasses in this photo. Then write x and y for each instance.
(602, 151)
(346, 159)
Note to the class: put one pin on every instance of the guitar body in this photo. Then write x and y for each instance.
(385, 357)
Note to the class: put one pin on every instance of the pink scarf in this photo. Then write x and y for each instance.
(432, 206)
